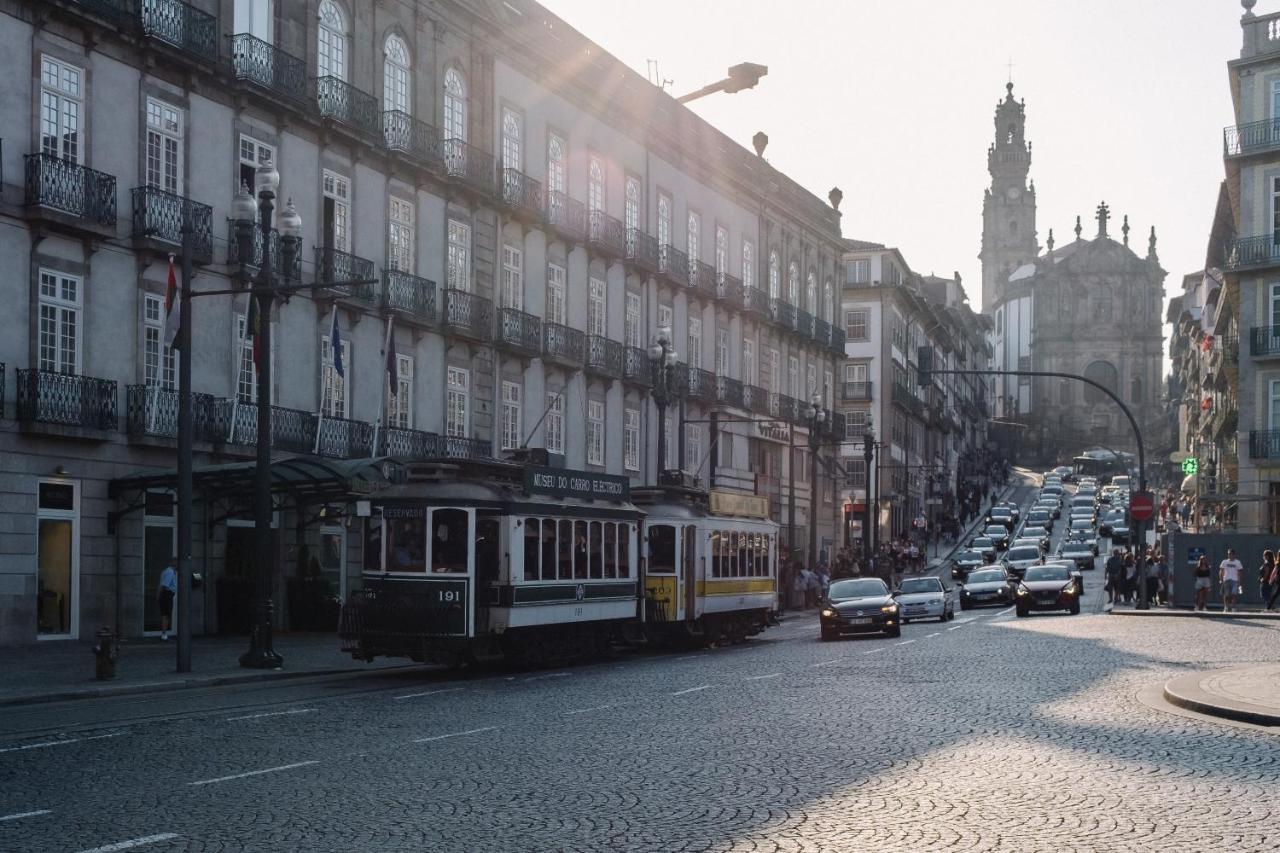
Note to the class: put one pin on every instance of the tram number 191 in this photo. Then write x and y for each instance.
(450, 595)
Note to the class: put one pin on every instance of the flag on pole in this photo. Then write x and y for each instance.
(391, 356)
(252, 331)
(335, 341)
(172, 318)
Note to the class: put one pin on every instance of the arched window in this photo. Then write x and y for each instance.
(775, 276)
(395, 75)
(793, 284)
(748, 264)
(1104, 373)
(512, 140)
(455, 105)
(827, 301)
(331, 47)
(595, 185)
(1135, 389)
(811, 294)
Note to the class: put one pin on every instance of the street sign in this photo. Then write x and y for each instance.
(1190, 465)
(1142, 506)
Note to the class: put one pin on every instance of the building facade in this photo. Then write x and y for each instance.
(505, 213)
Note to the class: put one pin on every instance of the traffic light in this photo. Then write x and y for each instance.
(924, 366)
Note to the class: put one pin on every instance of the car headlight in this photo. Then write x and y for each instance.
(828, 612)
(889, 608)
(1069, 590)
(1022, 590)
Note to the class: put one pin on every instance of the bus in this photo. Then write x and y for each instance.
(1103, 464)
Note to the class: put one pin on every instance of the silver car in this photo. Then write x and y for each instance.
(924, 598)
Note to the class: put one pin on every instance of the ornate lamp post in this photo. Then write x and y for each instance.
(868, 453)
(261, 653)
(662, 358)
(817, 425)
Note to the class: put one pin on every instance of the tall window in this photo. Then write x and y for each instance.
(395, 75)
(512, 139)
(828, 389)
(722, 251)
(555, 294)
(455, 105)
(158, 365)
(694, 356)
(253, 17)
(748, 264)
(693, 446)
(334, 401)
(666, 317)
(631, 212)
(554, 422)
(827, 301)
(631, 330)
(400, 407)
(695, 236)
(510, 415)
(857, 271)
(811, 294)
(247, 375)
(722, 350)
(793, 376)
(664, 219)
(61, 97)
(775, 276)
(595, 432)
(164, 146)
(1273, 404)
(254, 155)
(512, 277)
(59, 323)
(595, 184)
(557, 164)
(775, 371)
(457, 410)
(337, 211)
(459, 257)
(596, 318)
(793, 284)
(810, 381)
(855, 325)
(400, 233)
(631, 440)
(331, 48)
(749, 361)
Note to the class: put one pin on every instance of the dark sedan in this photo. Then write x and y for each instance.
(986, 586)
(1048, 588)
(859, 606)
(986, 546)
(998, 534)
(1079, 553)
(967, 560)
(1120, 534)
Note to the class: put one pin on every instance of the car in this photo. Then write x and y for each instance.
(1014, 509)
(1038, 517)
(1078, 552)
(1083, 501)
(1036, 534)
(1000, 515)
(924, 598)
(1064, 471)
(1088, 537)
(1051, 489)
(1028, 542)
(998, 534)
(967, 560)
(1020, 557)
(1110, 518)
(1072, 568)
(1047, 588)
(1120, 533)
(986, 546)
(859, 606)
(1085, 513)
(1121, 482)
(986, 586)
(1080, 524)
(1049, 505)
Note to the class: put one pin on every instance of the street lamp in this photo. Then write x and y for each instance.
(868, 453)
(261, 653)
(817, 422)
(662, 358)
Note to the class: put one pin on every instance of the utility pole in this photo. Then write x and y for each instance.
(185, 485)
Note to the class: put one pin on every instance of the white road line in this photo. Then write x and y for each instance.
(586, 710)
(955, 627)
(21, 815)
(934, 634)
(455, 734)
(541, 677)
(253, 773)
(873, 651)
(41, 745)
(824, 663)
(905, 643)
(430, 693)
(273, 714)
(132, 842)
(690, 690)
(759, 677)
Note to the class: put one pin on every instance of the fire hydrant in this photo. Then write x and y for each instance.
(105, 653)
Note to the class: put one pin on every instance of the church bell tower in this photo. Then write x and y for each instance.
(1009, 205)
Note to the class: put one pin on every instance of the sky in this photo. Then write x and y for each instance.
(894, 103)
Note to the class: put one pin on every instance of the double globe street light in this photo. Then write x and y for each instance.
(662, 362)
(818, 418)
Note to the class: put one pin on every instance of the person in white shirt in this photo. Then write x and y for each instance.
(1229, 572)
(165, 594)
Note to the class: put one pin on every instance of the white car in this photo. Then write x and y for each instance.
(924, 598)
(1020, 557)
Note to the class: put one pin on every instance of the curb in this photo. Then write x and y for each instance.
(1185, 692)
(1192, 614)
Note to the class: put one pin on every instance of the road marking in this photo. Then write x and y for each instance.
(21, 815)
(759, 677)
(132, 842)
(934, 634)
(253, 773)
(455, 734)
(690, 690)
(1003, 612)
(273, 714)
(873, 651)
(956, 627)
(825, 663)
(548, 675)
(688, 657)
(904, 643)
(587, 710)
(430, 693)
(41, 745)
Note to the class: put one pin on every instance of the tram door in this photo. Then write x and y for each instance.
(689, 572)
(451, 565)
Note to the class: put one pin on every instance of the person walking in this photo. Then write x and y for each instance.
(1130, 577)
(1115, 572)
(1265, 571)
(1164, 593)
(1204, 580)
(1229, 572)
(1275, 587)
(165, 594)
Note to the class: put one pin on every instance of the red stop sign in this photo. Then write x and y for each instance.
(1142, 506)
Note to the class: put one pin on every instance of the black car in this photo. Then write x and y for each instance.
(859, 606)
(967, 560)
(985, 546)
(1040, 518)
(1120, 533)
(1078, 552)
(986, 586)
(1000, 515)
(1047, 588)
(998, 534)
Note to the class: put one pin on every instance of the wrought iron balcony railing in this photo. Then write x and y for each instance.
(699, 384)
(457, 447)
(636, 367)
(755, 301)
(151, 410)
(72, 189)
(410, 295)
(519, 331)
(66, 399)
(783, 312)
(566, 216)
(821, 332)
(806, 324)
(467, 314)
(1264, 340)
(729, 291)
(182, 25)
(158, 215)
(786, 408)
(334, 266)
(563, 344)
(729, 392)
(1251, 138)
(521, 194)
(467, 165)
(604, 357)
(674, 264)
(344, 104)
(236, 422)
(756, 399)
(1264, 444)
(342, 438)
(903, 396)
(417, 445)
(255, 260)
(702, 279)
(855, 391)
(404, 134)
(606, 235)
(267, 66)
(642, 251)
(1256, 252)
(837, 340)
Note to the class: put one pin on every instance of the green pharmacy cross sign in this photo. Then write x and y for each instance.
(1190, 465)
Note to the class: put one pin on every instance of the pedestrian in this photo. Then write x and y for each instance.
(165, 594)
(1115, 572)
(1229, 572)
(799, 584)
(811, 587)
(1265, 571)
(1130, 577)
(1275, 587)
(1164, 594)
(1203, 576)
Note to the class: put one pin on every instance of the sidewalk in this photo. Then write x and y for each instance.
(1183, 613)
(1250, 694)
(941, 558)
(59, 671)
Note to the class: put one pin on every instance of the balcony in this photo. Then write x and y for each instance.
(702, 280)
(255, 261)
(903, 397)
(349, 108)
(567, 217)
(152, 411)
(604, 357)
(1264, 341)
(66, 400)
(467, 166)
(236, 422)
(806, 324)
(755, 302)
(457, 447)
(642, 252)
(262, 64)
(606, 235)
(563, 345)
(838, 339)
(755, 399)
(785, 408)
(416, 140)
(1254, 138)
(468, 315)
(334, 267)
(521, 195)
(69, 195)
(699, 384)
(783, 312)
(729, 292)
(341, 438)
(409, 295)
(729, 392)
(635, 366)
(417, 445)
(1264, 444)
(182, 26)
(821, 332)
(1254, 252)
(674, 265)
(855, 392)
(519, 332)
(157, 222)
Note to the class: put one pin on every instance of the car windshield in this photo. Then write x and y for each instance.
(1081, 524)
(1024, 554)
(921, 585)
(996, 530)
(1034, 532)
(965, 556)
(990, 576)
(982, 542)
(1047, 573)
(860, 588)
(1077, 548)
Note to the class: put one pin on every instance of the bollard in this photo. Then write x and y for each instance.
(105, 653)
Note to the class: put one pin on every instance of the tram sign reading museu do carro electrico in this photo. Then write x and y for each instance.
(583, 485)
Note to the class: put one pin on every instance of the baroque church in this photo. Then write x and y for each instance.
(1090, 306)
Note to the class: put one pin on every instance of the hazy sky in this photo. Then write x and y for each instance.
(893, 102)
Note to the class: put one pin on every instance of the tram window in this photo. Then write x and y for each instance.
(744, 555)
(624, 550)
(610, 549)
(662, 549)
(757, 555)
(549, 556)
(595, 545)
(532, 548)
(564, 545)
(715, 554)
(450, 541)
(764, 556)
(406, 541)
(580, 550)
(488, 550)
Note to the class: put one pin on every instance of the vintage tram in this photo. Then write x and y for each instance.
(479, 560)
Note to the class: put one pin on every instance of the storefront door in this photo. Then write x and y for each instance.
(58, 560)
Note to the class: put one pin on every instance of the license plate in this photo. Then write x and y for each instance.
(857, 621)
